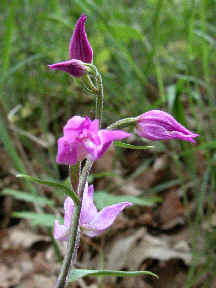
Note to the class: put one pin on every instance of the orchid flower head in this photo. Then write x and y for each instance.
(159, 125)
(83, 139)
(92, 222)
(80, 52)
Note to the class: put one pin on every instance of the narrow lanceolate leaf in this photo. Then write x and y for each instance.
(103, 199)
(58, 185)
(20, 195)
(42, 219)
(79, 273)
(129, 146)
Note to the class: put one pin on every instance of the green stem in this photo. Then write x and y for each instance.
(73, 241)
(70, 248)
(123, 122)
(98, 90)
(100, 98)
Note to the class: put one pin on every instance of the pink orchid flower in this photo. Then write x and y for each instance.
(83, 139)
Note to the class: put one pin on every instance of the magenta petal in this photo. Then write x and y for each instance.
(182, 136)
(89, 211)
(104, 219)
(74, 67)
(60, 231)
(67, 153)
(92, 149)
(108, 136)
(112, 135)
(80, 47)
(74, 123)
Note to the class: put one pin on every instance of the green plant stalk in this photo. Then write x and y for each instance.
(123, 122)
(100, 98)
(70, 248)
(98, 90)
(74, 229)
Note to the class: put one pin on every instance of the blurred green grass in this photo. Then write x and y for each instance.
(152, 54)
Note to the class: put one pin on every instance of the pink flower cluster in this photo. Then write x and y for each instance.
(83, 139)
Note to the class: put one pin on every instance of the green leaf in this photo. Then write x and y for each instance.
(20, 195)
(55, 184)
(42, 219)
(79, 273)
(103, 199)
(129, 146)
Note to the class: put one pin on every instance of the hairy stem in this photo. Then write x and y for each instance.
(122, 122)
(74, 229)
(73, 242)
(100, 98)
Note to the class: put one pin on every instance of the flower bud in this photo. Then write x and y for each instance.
(80, 52)
(158, 125)
(80, 47)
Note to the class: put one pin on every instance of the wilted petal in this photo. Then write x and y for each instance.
(67, 153)
(80, 47)
(89, 211)
(104, 219)
(60, 231)
(74, 67)
(68, 211)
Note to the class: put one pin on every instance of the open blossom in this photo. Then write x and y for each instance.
(83, 139)
(92, 222)
(159, 125)
(80, 52)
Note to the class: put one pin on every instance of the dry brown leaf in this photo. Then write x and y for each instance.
(133, 250)
(117, 255)
(171, 212)
(20, 236)
(9, 276)
(151, 176)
